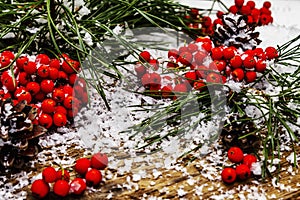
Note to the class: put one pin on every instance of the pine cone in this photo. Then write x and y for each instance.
(19, 135)
(239, 127)
(236, 32)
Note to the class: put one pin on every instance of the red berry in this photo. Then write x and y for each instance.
(245, 10)
(61, 109)
(70, 66)
(183, 49)
(238, 74)
(228, 175)
(42, 59)
(220, 14)
(93, 177)
(213, 77)
(199, 85)
(49, 175)
(220, 65)
(185, 58)
(267, 4)
(40, 96)
(58, 95)
(30, 67)
(206, 21)
(69, 101)
(249, 62)
(48, 106)
(173, 53)
(145, 56)
(166, 91)
(61, 188)
(33, 87)
(99, 161)
(191, 76)
(236, 61)
(4, 61)
(8, 54)
(63, 174)
(243, 172)
(217, 53)
(233, 9)
(43, 71)
(192, 47)
(154, 64)
(207, 46)
(239, 3)
(199, 57)
(40, 188)
(235, 154)
(47, 86)
(21, 61)
(45, 120)
(53, 73)
(202, 72)
(249, 159)
(251, 4)
(23, 78)
(260, 66)
(68, 90)
(55, 63)
(77, 186)
(59, 119)
(82, 165)
(250, 76)
(229, 53)
(62, 75)
(271, 53)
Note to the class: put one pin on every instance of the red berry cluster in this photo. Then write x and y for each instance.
(45, 83)
(258, 16)
(88, 169)
(200, 63)
(255, 16)
(241, 170)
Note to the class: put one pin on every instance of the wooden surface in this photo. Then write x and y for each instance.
(167, 184)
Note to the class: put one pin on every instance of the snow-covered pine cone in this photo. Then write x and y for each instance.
(236, 32)
(240, 132)
(18, 134)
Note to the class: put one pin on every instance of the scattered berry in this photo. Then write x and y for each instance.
(235, 154)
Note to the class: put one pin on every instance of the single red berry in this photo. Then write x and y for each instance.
(8, 54)
(93, 177)
(207, 46)
(217, 21)
(185, 58)
(238, 74)
(271, 53)
(250, 76)
(251, 4)
(68, 90)
(48, 106)
(235, 154)
(33, 87)
(228, 175)
(140, 69)
(199, 85)
(155, 78)
(233, 9)
(167, 91)
(42, 59)
(228, 53)
(154, 64)
(145, 56)
(183, 49)
(30, 67)
(59, 119)
(220, 14)
(199, 57)
(4, 61)
(55, 63)
(202, 72)
(70, 66)
(213, 77)
(217, 53)
(220, 65)
(61, 188)
(21, 61)
(23, 78)
(99, 161)
(77, 186)
(43, 71)
(267, 4)
(69, 101)
(243, 172)
(193, 47)
(40, 188)
(61, 109)
(49, 175)
(63, 174)
(58, 95)
(239, 3)
(82, 165)
(249, 159)
(45, 120)
(260, 66)
(249, 62)
(62, 75)
(236, 61)
(206, 21)
(47, 86)
(191, 76)
(173, 53)
(245, 10)
(53, 73)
